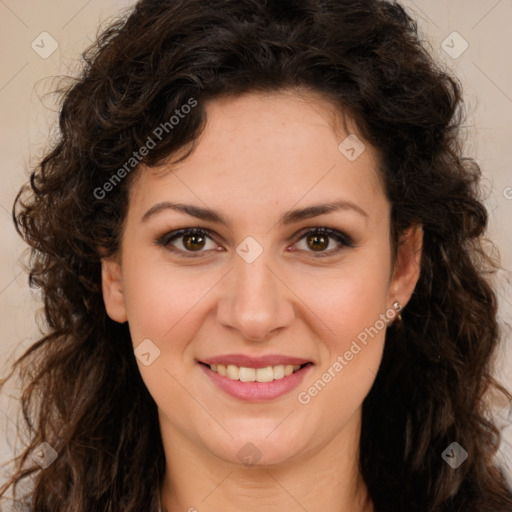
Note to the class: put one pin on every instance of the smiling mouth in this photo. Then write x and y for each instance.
(245, 374)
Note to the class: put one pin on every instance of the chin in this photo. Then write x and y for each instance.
(258, 451)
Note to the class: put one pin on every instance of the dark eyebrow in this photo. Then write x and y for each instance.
(319, 209)
(289, 217)
(194, 211)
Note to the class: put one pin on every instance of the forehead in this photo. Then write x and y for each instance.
(268, 150)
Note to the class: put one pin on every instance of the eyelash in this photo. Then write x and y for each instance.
(340, 237)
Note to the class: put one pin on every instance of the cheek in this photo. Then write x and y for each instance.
(351, 351)
(164, 306)
(350, 312)
(161, 300)
(347, 299)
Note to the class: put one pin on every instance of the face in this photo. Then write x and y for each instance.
(267, 281)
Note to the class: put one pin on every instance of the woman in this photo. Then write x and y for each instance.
(261, 254)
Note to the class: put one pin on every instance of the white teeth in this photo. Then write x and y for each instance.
(278, 372)
(233, 372)
(288, 370)
(244, 374)
(265, 374)
(247, 374)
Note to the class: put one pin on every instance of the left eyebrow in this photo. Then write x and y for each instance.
(289, 217)
(320, 209)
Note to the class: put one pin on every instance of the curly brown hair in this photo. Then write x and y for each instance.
(367, 58)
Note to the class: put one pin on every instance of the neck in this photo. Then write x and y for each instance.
(327, 478)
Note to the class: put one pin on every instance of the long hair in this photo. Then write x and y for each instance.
(82, 391)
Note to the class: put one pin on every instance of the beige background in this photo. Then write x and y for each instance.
(28, 118)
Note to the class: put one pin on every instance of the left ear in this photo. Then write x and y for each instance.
(407, 266)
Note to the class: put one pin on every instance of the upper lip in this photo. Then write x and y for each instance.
(255, 362)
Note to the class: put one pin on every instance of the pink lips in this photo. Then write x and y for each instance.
(255, 362)
(256, 391)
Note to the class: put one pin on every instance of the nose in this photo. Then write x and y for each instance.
(255, 301)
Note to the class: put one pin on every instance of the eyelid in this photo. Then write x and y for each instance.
(344, 240)
(331, 232)
(166, 239)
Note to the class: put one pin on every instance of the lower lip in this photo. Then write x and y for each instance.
(257, 391)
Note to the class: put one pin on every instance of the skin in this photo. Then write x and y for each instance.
(260, 156)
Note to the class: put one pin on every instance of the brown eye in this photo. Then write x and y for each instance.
(193, 242)
(318, 242)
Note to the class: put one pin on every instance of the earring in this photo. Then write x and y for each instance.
(398, 307)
